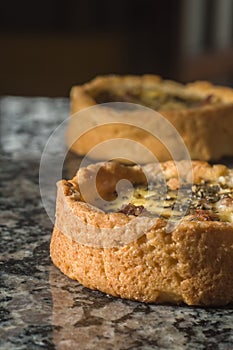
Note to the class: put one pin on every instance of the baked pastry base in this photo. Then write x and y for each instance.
(191, 265)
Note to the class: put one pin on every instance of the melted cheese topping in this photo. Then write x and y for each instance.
(156, 99)
(204, 201)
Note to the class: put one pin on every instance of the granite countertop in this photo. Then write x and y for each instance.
(42, 309)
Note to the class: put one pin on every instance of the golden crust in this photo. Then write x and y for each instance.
(191, 264)
(199, 127)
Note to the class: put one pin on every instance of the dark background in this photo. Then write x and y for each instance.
(48, 46)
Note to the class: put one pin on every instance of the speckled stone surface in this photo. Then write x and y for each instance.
(42, 309)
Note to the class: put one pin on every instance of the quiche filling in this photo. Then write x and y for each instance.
(205, 201)
(156, 99)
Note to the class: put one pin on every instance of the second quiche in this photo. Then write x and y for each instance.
(201, 113)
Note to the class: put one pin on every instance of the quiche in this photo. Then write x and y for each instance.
(201, 113)
(165, 235)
